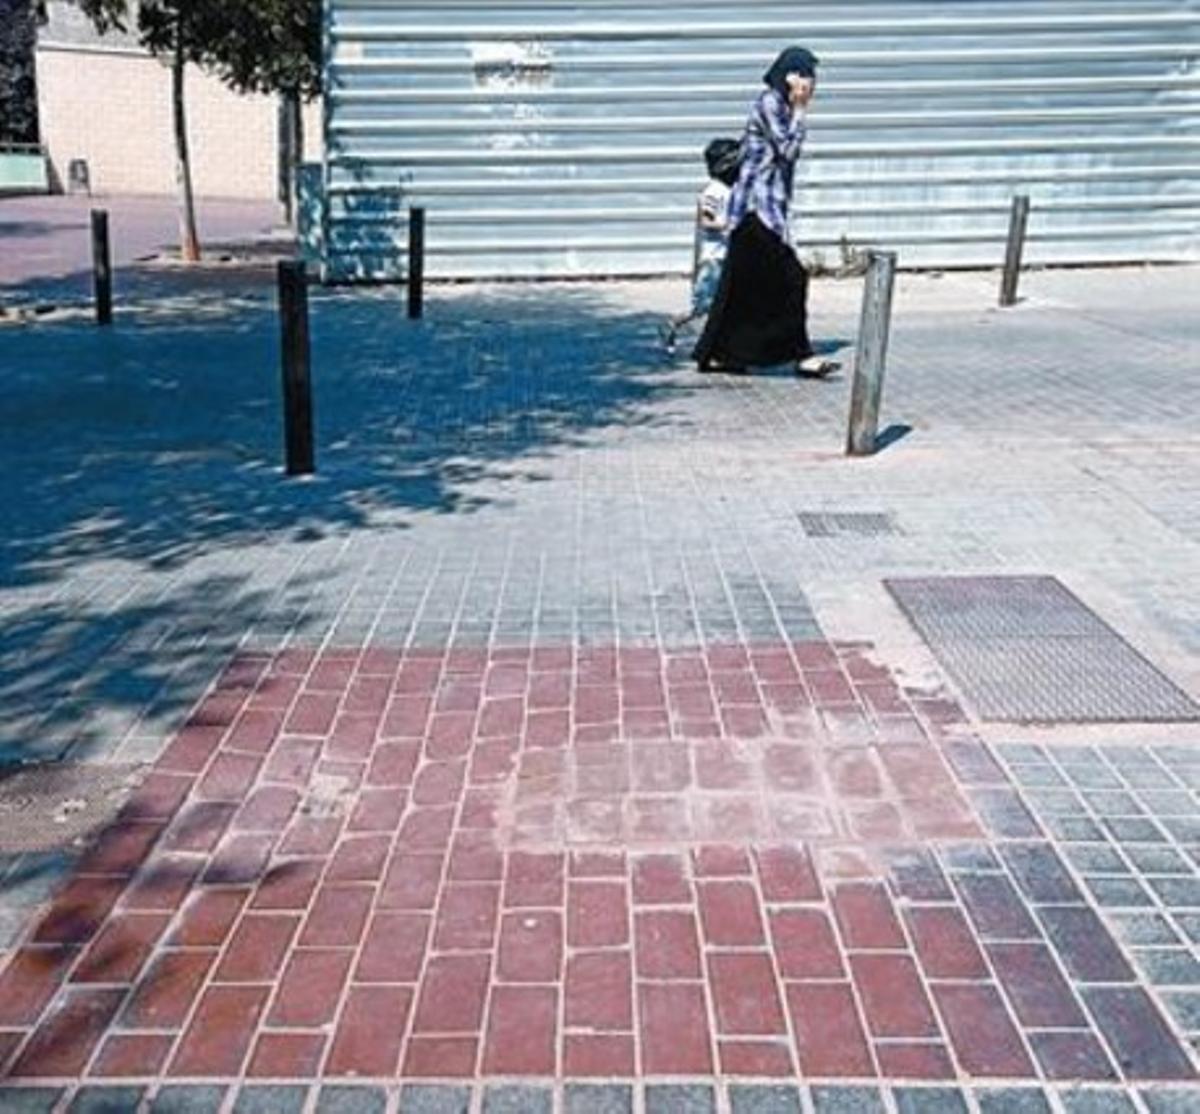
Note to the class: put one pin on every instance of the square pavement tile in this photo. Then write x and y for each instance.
(763, 1100)
(188, 1099)
(679, 1098)
(29, 1100)
(271, 1099)
(928, 1100)
(1012, 1100)
(847, 1100)
(351, 1100)
(597, 1098)
(420, 1098)
(1096, 1102)
(105, 1100)
(518, 1099)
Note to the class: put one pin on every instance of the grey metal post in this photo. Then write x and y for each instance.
(870, 356)
(297, 381)
(1017, 223)
(102, 267)
(416, 262)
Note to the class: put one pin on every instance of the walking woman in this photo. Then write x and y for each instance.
(759, 316)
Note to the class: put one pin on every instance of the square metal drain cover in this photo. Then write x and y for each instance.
(848, 524)
(47, 807)
(1024, 649)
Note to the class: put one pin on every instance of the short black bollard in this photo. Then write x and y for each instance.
(297, 381)
(870, 356)
(1017, 223)
(416, 263)
(102, 267)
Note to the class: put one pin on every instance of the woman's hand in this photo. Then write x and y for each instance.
(800, 91)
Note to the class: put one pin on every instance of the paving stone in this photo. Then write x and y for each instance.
(1118, 893)
(1145, 1047)
(188, 1099)
(30, 1100)
(597, 1098)
(1143, 929)
(1012, 1100)
(1168, 966)
(1170, 1101)
(1095, 1101)
(757, 1099)
(928, 1100)
(271, 1099)
(104, 1100)
(518, 1100)
(667, 1098)
(1184, 1006)
(847, 1100)
(352, 1100)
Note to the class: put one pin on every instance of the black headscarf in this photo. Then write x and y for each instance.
(795, 60)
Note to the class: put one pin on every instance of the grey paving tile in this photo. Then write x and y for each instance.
(1118, 893)
(1096, 1101)
(928, 1100)
(1184, 1006)
(1143, 928)
(102, 1100)
(847, 1100)
(763, 1099)
(680, 1098)
(1012, 1100)
(518, 1099)
(29, 1100)
(346, 1099)
(188, 1099)
(270, 1099)
(597, 1098)
(1168, 966)
(1171, 1101)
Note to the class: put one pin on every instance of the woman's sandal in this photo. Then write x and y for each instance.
(816, 367)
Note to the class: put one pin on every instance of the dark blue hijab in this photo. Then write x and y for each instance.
(795, 60)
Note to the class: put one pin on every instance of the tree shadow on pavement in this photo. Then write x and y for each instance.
(161, 438)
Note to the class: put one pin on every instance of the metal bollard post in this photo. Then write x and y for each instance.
(870, 357)
(416, 263)
(102, 267)
(1017, 223)
(297, 382)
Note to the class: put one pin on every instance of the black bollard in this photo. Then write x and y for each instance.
(297, 381)
(416, 263)
(1017, 223)
(102, 267)
(870, 357)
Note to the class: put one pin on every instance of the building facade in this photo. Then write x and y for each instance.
(564, 137)
(105, 100)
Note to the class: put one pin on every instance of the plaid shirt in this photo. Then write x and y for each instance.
(770, 149)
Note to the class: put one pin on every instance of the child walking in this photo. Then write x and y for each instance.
(722, 157)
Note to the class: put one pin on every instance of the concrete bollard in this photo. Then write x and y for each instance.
(297, 380)
(1018, 221)
(870, 356)
(416, 263)
(102, 279)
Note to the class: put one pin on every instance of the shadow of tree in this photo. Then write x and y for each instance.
(160, 439)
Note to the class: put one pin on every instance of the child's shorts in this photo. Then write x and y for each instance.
(704, 292)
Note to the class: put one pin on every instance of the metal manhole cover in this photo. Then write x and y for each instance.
(1025, 649)
(43, 808)
(848, 524)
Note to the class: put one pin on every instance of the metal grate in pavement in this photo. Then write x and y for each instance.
(46, 807)
(1024, 649)
(848, 524)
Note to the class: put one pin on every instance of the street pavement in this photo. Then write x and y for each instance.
(560, 744)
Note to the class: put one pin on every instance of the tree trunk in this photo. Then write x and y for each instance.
(291, 151)
(189, 239)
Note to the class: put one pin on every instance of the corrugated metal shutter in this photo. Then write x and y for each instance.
(562, 138)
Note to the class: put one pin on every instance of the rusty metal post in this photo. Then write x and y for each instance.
(416, 263)
(102, 279)
(870, 356)
(1017, 223)
(297, 380)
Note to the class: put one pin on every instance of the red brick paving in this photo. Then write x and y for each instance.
(554, 863)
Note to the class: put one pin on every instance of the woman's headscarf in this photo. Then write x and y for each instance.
(795, 60)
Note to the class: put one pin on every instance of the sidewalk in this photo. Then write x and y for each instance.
(561, 745)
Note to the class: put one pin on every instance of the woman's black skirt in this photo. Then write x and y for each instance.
(760, 314)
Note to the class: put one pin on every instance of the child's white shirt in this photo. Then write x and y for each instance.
(714, 206)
